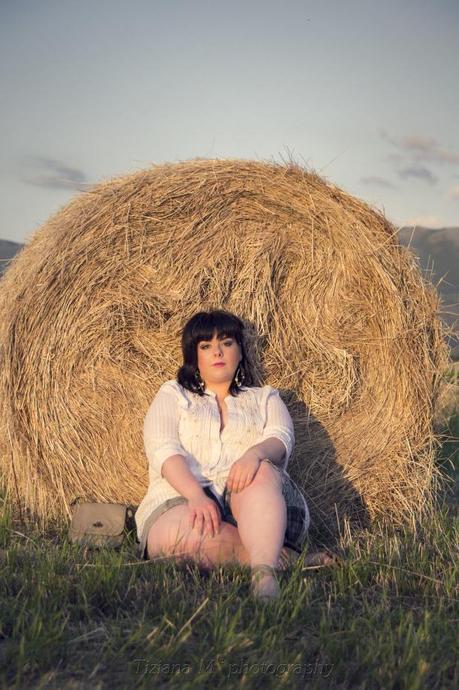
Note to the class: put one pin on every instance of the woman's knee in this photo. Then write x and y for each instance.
(171, 532)
(266, 479)
(268, 474)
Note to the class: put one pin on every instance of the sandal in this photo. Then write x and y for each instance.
(262, 590)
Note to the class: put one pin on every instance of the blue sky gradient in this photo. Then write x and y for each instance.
(363, 92)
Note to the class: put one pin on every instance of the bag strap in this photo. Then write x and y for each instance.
(75, 500)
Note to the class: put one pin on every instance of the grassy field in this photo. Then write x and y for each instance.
(386, 618)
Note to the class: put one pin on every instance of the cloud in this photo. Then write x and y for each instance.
(377, 181)
(395, 158)
(425, 220)
(53, 174)
(420, 172)
(453, 192)
(422, 148)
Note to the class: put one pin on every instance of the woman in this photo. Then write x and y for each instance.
(217, 448)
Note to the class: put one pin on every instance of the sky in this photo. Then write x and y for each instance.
(363, 92)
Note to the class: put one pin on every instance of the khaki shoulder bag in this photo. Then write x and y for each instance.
(98, 524)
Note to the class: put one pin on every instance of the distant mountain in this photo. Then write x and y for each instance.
(7, 250)
(438, 249)
(438, 252)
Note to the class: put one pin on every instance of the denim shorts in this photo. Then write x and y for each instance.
(298, 518)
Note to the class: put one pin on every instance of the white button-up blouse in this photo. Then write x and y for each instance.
(181, 422)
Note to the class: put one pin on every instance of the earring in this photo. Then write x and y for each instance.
(240, 375)
(200, 382)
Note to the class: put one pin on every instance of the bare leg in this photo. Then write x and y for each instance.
(261, 515)
(171, 535)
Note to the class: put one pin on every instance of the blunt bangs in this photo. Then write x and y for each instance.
(224, 326)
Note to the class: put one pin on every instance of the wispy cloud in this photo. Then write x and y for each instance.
(453, 192)
(53, 174)
(424, 220)
(377, 181)
(420, 172)
(421, 148)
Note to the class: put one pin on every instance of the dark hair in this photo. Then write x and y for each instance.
(202, 326)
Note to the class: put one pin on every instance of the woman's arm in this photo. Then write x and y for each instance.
(175, 469)
(166, 455)
(273, 449)
(277, 441)
(278, 437)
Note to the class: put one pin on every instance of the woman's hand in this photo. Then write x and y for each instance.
(243, 471)
(204, 514)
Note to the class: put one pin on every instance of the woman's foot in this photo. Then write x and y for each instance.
(288, 557)
(265, 586)
(320, 559)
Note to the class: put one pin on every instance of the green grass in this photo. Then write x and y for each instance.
(448, 457)
(387, 618)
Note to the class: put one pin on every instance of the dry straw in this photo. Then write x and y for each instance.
(339, 319)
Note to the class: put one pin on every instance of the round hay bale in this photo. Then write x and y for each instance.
(339, 319)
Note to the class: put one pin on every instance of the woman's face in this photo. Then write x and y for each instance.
(212, 351)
